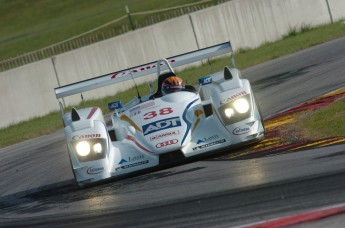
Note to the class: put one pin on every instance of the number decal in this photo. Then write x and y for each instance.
(163, 111)
(150, 115)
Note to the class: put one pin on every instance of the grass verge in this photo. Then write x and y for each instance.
(292, 42)
(326, 122)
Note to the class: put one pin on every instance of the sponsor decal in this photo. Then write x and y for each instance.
(136, 158)
(205, 80)
(131, 159)
(95, 170)
(161, 125)
(89, 136)
(135, 111)
(209, 144)
(233, 97)
(123, 161)
(163, 135)
(114, 105)
(241, 131)
(132, 165)
(147, 104)
(138, 69)
(166, 143)
(152, 114)
(205, 140)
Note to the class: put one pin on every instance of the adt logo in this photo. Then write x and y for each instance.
(161, 125)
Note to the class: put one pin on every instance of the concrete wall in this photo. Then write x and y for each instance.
(337, 8)
(249, 23)
(28, 91)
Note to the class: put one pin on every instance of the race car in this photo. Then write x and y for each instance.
(175, 122)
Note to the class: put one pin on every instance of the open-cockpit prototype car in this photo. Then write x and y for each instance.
(176, 121)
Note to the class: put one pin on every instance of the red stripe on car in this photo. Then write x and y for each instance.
(93, 110)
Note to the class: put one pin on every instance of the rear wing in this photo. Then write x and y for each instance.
(142, 70)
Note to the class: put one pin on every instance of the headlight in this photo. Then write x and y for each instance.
(90, 149)
(236, 110)
(241, 105)
(97, 148)
(229, 112)
(83, 148)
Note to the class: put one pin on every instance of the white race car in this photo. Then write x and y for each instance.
(175, 122)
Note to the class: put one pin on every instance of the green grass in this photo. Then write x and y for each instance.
(326, 122)
(30, 129)
(245, 58)
(28, 25)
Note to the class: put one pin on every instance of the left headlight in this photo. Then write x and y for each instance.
(90, 149)
(83, 148)
(236, 110)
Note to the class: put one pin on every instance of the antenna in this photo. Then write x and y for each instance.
(82, 98)
(135, 86)
(209, 63)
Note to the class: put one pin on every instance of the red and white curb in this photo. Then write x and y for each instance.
(299, 218)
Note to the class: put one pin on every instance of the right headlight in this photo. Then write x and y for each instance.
(229, 112)
(97, 148)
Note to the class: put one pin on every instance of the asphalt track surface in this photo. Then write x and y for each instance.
(37, 189)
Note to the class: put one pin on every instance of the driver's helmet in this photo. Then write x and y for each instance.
(172, 84)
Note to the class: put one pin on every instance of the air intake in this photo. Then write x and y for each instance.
(74, 114)
(227, 74)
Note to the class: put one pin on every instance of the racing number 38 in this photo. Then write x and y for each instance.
(163, 111)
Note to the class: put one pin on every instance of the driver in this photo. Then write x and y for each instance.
(172, 84)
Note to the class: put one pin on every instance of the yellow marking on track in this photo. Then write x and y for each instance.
(320, 142)
(336, 92)
(333, 142)
(280, 121)
(240, 154)
(267, 143)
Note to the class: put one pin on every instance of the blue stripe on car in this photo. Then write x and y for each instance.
(184, 117)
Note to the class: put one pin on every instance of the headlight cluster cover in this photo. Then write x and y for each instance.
(90, 149)
(235, 110)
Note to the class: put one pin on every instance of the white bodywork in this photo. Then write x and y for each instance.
(153, 130)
